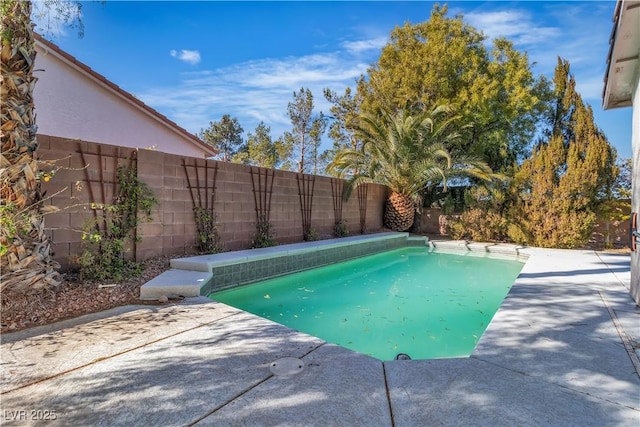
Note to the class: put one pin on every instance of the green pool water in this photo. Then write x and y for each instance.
(424, 304)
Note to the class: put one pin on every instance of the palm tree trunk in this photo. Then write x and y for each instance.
(399, 212)
(25, 249)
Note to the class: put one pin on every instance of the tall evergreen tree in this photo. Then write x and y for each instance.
(260, 149)
(302, 143)
(568, 174)
(344, 114)
(224, 135)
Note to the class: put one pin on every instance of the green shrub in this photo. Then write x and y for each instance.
(209, 241)
(264, 235)
(517, 235)
(108, 238)
(311, 235)
(478, 225)
(341, 229)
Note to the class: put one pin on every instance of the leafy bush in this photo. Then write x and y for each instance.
(311, 235)
(209, 241)
(110, 236)
(478, 225)
(341, 229)
(264, 235)
(517, 235)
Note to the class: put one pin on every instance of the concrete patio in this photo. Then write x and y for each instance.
(562, 350)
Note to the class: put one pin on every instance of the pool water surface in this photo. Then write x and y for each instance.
(407, 301)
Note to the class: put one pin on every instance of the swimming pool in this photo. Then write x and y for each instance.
(406, 301)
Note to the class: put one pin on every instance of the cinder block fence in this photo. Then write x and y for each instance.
(237, 193)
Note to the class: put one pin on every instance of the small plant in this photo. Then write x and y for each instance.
(264, 235)
(448, 205)
(341, 229)
(12, 224)
(208, 237)
(311, 235)
(108, 238)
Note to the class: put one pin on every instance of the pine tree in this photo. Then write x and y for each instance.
(562, 184)
(447, 61)
(224, 135)
(302, 144)
(260, 149)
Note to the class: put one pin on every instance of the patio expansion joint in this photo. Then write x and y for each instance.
(111, 356)
(246, 390)
(623, 336)
(386, 388)
(538, 378)
(625, 285)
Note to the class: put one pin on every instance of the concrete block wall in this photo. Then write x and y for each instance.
(172, 231)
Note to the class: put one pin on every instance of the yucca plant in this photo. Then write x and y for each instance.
(407, 152)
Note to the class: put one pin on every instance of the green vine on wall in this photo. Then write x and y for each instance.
(111, 235)
(341, 228)
(209, 241)
(264, 234)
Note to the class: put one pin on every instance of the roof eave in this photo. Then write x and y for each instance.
(624, 56)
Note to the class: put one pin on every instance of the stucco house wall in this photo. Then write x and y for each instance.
(622, 89)
(635, 203)
(73, 101)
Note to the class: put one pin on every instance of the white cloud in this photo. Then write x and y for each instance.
(189, 56)
(516, 25)
(255, 91)
(365, 45)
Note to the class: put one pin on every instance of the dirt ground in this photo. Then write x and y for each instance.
(73, 298)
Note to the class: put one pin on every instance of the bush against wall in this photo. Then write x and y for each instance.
(485, 219)
(110, 236)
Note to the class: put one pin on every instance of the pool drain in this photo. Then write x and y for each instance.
(286, 366)
(403, 356)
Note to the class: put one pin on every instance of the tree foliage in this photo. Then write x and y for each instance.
(567, 176)
(224, 135)
(445, 61)
(302, 144)
(344, 114)
(622, 184)
(260, 149)
(57, 14)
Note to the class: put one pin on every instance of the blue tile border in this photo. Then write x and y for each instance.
(290, 261)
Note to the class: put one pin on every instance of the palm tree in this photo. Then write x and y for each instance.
(407, 153)
(25, 249)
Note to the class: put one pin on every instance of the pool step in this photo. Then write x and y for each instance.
(417, 241)
(176, 283)
(475, 248)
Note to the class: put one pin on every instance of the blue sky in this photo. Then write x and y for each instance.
(195, 61)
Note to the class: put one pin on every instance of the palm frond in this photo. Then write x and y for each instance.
(407, 152)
